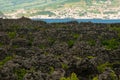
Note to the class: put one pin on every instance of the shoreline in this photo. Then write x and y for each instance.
(79, 20)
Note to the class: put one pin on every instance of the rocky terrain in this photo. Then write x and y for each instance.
(35, 50)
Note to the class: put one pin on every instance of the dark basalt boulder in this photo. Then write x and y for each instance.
(85, 68)
(108, 74)
(3, 53)
(6, 72)
(59, 48)
(36, 76)
(19, 42)
(57, 74)
(4, 38)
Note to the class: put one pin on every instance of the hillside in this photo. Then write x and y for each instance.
(30, 8)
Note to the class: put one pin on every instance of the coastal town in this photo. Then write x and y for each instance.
(76, 13)
(95, 11)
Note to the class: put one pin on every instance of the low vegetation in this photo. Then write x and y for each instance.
(72, 77)
(4, 61)
(20, 73)
(111, 44)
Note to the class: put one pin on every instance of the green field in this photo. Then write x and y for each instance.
(9, 5)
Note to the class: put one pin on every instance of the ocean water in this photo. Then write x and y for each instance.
(80, 20)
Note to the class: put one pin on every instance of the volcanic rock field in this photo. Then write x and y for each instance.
(36, 50)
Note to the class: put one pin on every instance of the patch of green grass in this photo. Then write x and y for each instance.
(15, 27)
(76, 36)
(20, 73)
(15, 46)
(32, 69)
(1, 44)
(101, 68)
(8, 58)
(12, 35)
(42, 46)
(95, 78)
(70, 43)
(90, 57)
(72, 77)
(111, 44)
(113, 76)
(91, 42)
(117, 29)
(51, 70)
(64, 66)
(51, 40)
(44, 13)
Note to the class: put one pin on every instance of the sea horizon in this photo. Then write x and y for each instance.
(61, 20)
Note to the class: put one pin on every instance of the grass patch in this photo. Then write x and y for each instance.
(12, 35)
(91, 42)
(51, 40)
(44, 13)
(113, 76)
(41, 46)
(20, 73)
(101, 68)
(111, 44)
(64, 66)
(70, 43)
(15, 46)
(76, 36)
(8, 58)
(51, 70)
(90, 57)
(1, 44)
(72, 77)
(117, 29)
(95, 78)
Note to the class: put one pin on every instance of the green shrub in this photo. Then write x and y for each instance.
(72, 77)
(91, 42)
(51, 70)
(20, 73)
(95, 78)
(70, 43)
(1, 44)
(42, 46)
(15, 27)
(15, 46)
(51, 40)
(65, 78)
(64, 66)
(12, 35)
(111, 44)
(113, 76)
(32, 69)
(90, 57)
(102, 67)
(75, 36)
(5, 60)
(116, 29)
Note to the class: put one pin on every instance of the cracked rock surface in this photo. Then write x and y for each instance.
(35, 50)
